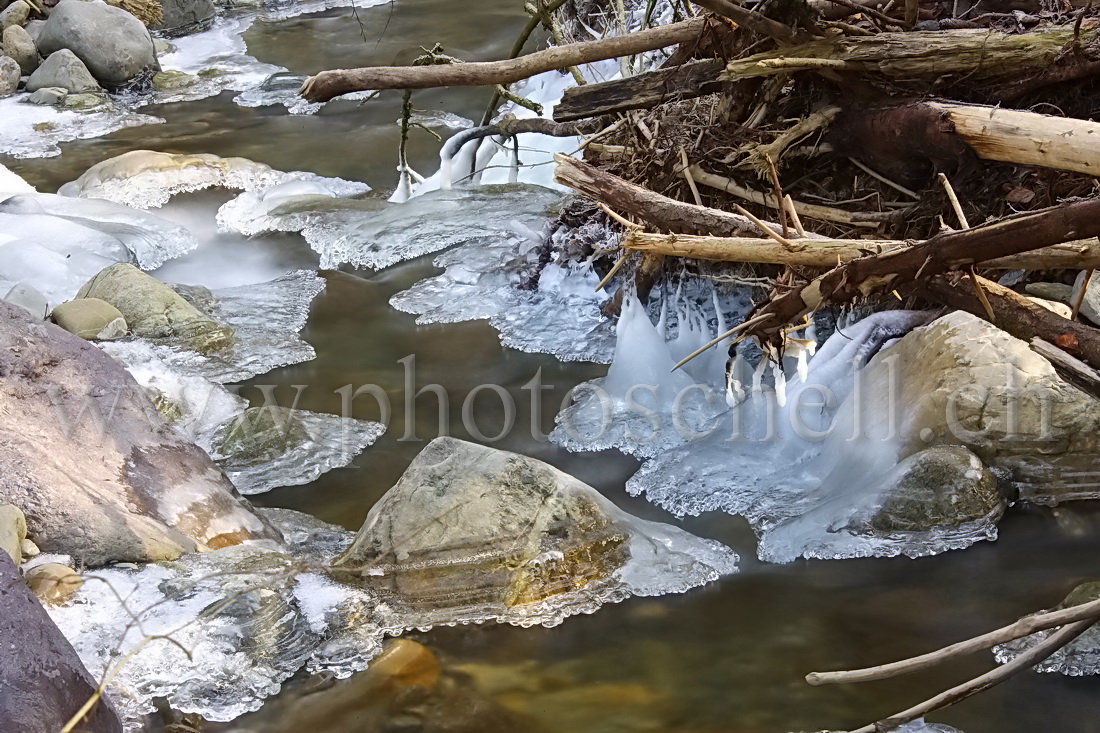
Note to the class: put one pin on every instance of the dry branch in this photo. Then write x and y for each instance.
(328, 84)
(641, 91)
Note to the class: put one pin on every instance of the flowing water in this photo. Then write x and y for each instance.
(727, 657)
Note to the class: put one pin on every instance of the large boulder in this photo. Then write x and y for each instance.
(471, 526)
(966, 382)
(62, 70)
(13, 530)
(20, 46)
(113, 44)
(154, 310)
(185, 16)
(44, 683)
(9, 76)
(97, 471)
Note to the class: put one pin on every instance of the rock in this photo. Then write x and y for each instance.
(28, 299)
(20, 46)
(945, 486)
(966, 382)
(1050, 291)
(468, 525)
(13, 530)
(45, 682)
(186, 16)
(53, 582)
(1053, 306)
(64, 70)
(15, 14)
(258, 435)
(48, 95)
(154, 310)
(161, 46)
(104, 478)
(9, 76)
(84, 102)
(1090, 305)
(29, 549)
(170, 81)
(114, 45)
(406, 663)
(34, 28)
(90, 318)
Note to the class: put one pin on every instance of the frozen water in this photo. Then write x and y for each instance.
(10, 183)
(293, 205)
(1079, 658)
(921, 726)
(250, 616)
(37, 131)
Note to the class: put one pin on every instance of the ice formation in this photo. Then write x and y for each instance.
(1079, 658)
(921, 726)
(251, 616)
(10, 183)
(37, 131)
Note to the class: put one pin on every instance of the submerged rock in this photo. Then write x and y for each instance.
(99, 474)
(154, 310)
(112, 43)
(45, 683)
(13, 532)
(90, 318)
(258, 435)
(62, 70)
(470, 530)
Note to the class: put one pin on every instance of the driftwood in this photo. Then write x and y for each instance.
(328, 84)
(693, 79)
(826, 253)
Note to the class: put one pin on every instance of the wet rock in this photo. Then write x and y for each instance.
(182, 17)
(85, 102)
(48, 96)
(15, 14)
(45, 682)
(53, 582)
(1053, 306)
(258, 435)
(968, 383)
(62, 69)
(114, 45)
(171, 81)
(473, 526)
(13, 531)
(103, 478)
(1090, 305)
(945, 486)
(9, 76)
(20, 46)
(28, 299)
(154, 310)
(90, 318)
(29, 549)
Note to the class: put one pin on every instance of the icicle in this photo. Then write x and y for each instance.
(780, 383)
(758, 376)
(404, 187)
(803, 366)
(735, 390)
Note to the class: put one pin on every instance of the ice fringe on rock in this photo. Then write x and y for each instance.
(921, 726)
(251, 616)
(1079, 658)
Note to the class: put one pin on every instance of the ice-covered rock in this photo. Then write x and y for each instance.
(921, 726)
(11, 183)
(37, 131)
(29, 299)
(112, 43)
(1079, 658)
(97, 471)
(471, 532)
(293, 205)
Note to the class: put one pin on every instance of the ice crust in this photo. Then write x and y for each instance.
(251, 616)
(921, 726)
(1079, 658)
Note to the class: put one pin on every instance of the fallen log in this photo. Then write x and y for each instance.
(827, 253)
(952, 251)
(641, 204)
(642, 91)
(328, 84)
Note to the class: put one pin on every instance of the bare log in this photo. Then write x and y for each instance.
(648, 206)
(826, 253)
(687, 81)
(328, 84)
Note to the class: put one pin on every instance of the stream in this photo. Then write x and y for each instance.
(725, 658)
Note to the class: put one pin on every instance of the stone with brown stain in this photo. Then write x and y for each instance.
(53, 582)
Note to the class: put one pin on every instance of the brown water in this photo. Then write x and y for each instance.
(729, 657)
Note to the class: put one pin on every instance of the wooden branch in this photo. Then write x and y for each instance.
(828, 253)
(1016, 314)
(1070, 368)
(642, 204)
(642, 91)
(328, 84)
(756, 22)
(943, 253)
(1023, 627)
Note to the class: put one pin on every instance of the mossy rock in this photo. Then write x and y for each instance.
(84, 102)
(168, 409)
(1085, 593)
(172, 81)
(258, 435)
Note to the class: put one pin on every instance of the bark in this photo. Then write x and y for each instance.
(755, 22)
(328, 84)
(941, 254)
(642, 91)
(827, 253)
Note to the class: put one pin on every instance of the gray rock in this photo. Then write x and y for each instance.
(468, 525)
(15, 14)
(34, 28)
(64, 70)
(1090, 305)
(186, 16)
(9, 76)
(20, 46)
(85, 101)
(45, 683)
(104, 477)
(48, 95)
(161, 46)
(258, 435)
(90, 318)
(113, 44)
(1050, 291)
(28, 299)
(13, 530)
(945, 486)
(154, 310)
